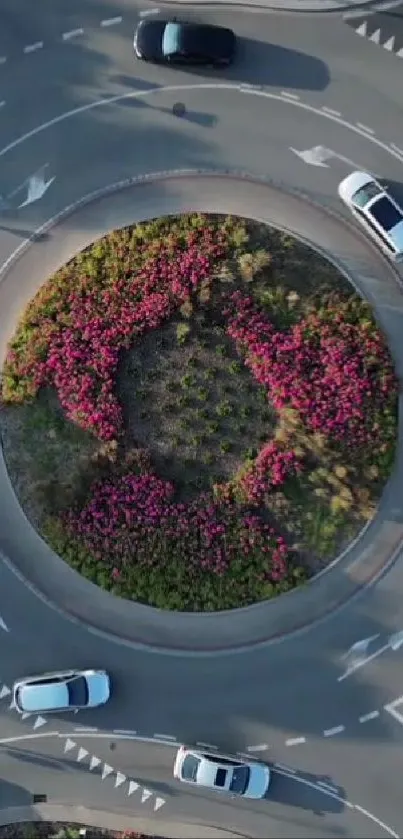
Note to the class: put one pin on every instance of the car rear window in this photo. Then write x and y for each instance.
(385, 213)
(78, 691)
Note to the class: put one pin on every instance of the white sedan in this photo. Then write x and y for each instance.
(224, 774)
(65, 690)
(376, 210)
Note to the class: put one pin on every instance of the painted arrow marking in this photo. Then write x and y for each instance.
(318, 155)
(357, 654)
(36, 186)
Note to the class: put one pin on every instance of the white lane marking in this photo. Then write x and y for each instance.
(367, 717)
(120, 779)
(124, 731)
(69, 745)
(373, 818)
(111, 735)
(147, 12)
(12, 705)
(164, 737)
(206, 745)
(29, 737)
(391, 709)
(33, 47)
(328, 787)
(286, 768)
(330, 732)
(39, 722)
(5, 691)
(261, 747)
(396, 148)
(295, 741)
(74, 33)
(82, 753)
(365, 128)
(375, 37)
(389, 44)
(292, 96)
(362, 30)
(94, 762)
(133, 786)
(25, 716)
(331, 111)
(139, 94)
(107, 770)
(145, 794)
(85, 728)
(111, 21)
(159, 802)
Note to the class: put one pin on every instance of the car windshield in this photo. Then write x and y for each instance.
(386, 214)
(78, 691)
(171, 39)
(240, 779)
(189, 767)
(366, 193)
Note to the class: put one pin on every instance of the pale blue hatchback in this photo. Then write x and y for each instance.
(69, 690)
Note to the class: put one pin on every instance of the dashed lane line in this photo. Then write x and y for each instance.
(331, 732)
(74, 33)
(38, 45)
(111, 21)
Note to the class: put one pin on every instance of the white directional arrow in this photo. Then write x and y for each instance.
(357, 654)
(35, 187)
(317, 156)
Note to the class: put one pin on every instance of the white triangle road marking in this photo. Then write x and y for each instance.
(145, 794)
(3, 625)
(39, 722)
(82, 753)
(389, 44)
(376, 36)
(133, 786)
(362, 30)
(5, 691)
(120, 779)
(106, 770)
(25, 716)
(12, 705)
(69, 744)
(400, 53)
(159, 802)
(95, 761)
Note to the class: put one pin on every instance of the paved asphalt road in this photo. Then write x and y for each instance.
(335, 746)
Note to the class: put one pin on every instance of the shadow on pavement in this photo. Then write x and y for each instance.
(12, 795)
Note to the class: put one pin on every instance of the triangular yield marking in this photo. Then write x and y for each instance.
(362, 30)
(39, 721)
(145, 794)
(159, 803)
(25, 716)
(82, 753)
(376, 36)
(106, 771)
(69, 744)
(95, 761)
(400, 53)
(120, 779)
(5, 691)
(12, 705)
(132, 787)
(389, 44)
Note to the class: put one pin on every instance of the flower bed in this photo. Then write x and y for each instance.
(62, 830)
(205, 409)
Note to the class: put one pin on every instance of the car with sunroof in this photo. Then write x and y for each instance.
(377, 211)
(65, 690)
(222, 773)
(179, 42)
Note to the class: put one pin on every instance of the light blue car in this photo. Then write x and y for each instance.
(222, 773)
(68, 690)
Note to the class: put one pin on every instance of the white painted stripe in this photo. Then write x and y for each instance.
(373, 818)
(206, 745)
(33, 47)
(290, 95)
(327, 786)
(111, 21)
(124, 731)
(85, 728)
(396, 148)
(331, 111)
(108, 735)
(295, 741)
(164, 737)
(147, 12)
(30, 737)
(261, 747)
(371, 716)
(330, 732)
(74, 33)
(365, 128)
(286, 768)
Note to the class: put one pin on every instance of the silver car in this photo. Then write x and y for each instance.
(377, 211)
(67, 690)
(225, 774)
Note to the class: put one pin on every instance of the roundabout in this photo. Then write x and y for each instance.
(290, 698)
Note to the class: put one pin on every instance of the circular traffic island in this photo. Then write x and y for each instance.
(198, 412)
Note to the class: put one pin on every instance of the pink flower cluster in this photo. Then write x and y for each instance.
(135, 520)
(78, 349)
(337, 374)
(270, 469)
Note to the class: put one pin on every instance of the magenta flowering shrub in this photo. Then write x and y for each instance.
(337, 374)
(134, 519)
(78, 345)
(270, 469)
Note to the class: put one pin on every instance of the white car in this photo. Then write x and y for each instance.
(65, 690)
(377, 211)
(224, 774)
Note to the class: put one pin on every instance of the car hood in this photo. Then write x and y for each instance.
(259, 781)
(98, 688)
